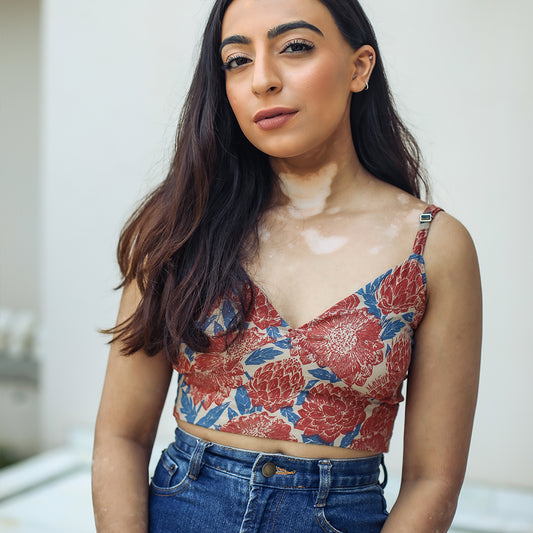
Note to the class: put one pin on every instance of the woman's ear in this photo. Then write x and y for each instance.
(364, 59)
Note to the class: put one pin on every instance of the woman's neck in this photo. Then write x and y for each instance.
(307, 189)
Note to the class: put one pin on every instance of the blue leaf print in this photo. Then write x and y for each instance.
(289, 414)
(244, 404)
(212, 416)
(284, 324)
(232, 413)
(371, 303)
(391, 328)
(217, 328)
(369, 298)
(209, 321)
(374, 285)
(187, 407)
(228, 313)
(273, 332)
(262, 355)
(189, 352)
(311, 384)
(284, 344)
(408, 317)
(324, 375)
(349, 437)
(387, 351)
(301, 398)
(369, 294)
(314, 439)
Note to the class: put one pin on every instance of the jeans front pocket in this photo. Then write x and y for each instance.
(171, 474)
(323, 521)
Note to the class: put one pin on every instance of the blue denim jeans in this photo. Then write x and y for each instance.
(203, 487)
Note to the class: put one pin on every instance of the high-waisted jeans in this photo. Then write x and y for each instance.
(203, 487)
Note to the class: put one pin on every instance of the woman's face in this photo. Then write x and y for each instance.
(289, 75)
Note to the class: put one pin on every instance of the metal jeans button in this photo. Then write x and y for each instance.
(268, 469)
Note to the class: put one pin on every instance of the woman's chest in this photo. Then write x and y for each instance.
(304, 269)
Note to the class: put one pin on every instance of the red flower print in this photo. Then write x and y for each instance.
(402, 290)
(263, 314)
(399, 357)
(347, 342)
(376, 430)
(252, 339)
(299, 351)
(239, 347)
(211, 377)
(420, 241)
(217, 344)
(259, 425)
(387, 386)
(330, 411)
(379, 388)
(276, 385)
(346, 306)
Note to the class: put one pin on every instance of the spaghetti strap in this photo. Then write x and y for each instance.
(425, 220)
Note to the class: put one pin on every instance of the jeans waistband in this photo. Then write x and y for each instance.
(274, 469)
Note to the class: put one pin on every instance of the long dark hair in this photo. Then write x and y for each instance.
(186, 244)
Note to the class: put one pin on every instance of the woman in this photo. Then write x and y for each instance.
(294, 182)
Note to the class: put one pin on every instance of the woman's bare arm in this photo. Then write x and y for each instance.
(442, 385)
(133, 396)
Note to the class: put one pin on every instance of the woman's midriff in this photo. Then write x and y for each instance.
(294, 449)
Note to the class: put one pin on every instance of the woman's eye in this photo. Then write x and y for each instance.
(235, 62)
(298, 46)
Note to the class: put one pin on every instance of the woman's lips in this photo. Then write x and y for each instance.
(270, 119)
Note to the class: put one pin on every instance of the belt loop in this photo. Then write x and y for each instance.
(383, 484)
(324, 466)
(196, 459)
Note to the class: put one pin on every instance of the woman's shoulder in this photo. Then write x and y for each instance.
(449, 243)
(450, 258)
(447, 232)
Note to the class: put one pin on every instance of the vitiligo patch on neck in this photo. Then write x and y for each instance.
(308, 194)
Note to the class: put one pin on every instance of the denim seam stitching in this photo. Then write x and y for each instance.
(167, 465)
(171, 491)
(277, 511)
(323, 522)
(252, 509)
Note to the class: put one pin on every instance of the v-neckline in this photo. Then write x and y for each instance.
(383, 275)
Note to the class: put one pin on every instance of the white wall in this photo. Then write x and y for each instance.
(19, 129)
(113, 82)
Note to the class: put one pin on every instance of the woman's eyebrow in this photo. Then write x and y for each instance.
(234, 39)
(283, 28)
(273, 33)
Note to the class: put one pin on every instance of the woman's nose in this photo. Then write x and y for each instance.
(266, 77)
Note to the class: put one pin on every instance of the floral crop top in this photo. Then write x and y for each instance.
(336, 380)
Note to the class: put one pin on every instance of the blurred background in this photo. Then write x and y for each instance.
(90, 93)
